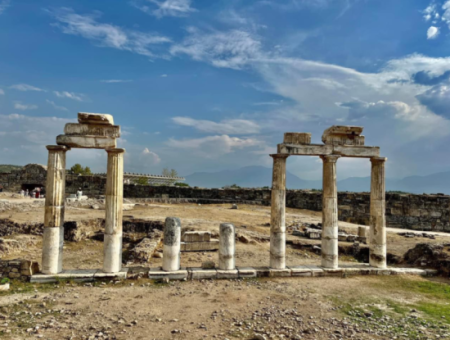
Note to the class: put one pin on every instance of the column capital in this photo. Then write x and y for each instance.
(279, 155)
(115, 150)
(57, 148)
(330, 158)
(378, 159)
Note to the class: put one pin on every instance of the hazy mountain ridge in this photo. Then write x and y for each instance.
(259, 176)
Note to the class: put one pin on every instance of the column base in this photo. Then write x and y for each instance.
(52, 250)
(277, 250)
(112, 253)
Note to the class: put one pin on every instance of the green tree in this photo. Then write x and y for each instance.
(173, 173)
(166, 172)
(141, 181)
(79, 170)
(179, 184)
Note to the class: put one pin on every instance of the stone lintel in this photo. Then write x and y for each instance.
(58, 148)
(73, 129)
(95, 118)
(297, 138)
(86, 142)
(324, 150)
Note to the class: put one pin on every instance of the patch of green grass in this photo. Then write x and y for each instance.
(435, 310)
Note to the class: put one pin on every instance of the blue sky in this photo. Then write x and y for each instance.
(203, 85)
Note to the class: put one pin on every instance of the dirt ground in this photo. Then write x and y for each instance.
(398, 307)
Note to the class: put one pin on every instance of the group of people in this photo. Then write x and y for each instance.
(35, 193)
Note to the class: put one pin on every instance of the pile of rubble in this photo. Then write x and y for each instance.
(436, 256)
(314, 232)
(412, 235)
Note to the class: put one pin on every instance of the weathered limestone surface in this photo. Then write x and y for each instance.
(86, 142)
(226, 248)
(329, 214)
(322, 150)
(197, 236)
(377, 233)
(277, 221)
(95, 118)
(73, 129)
(172, 239)
(53, 237)
(343, 135)
(297, 138)
(112, 262)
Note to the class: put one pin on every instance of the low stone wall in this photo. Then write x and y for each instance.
(417, 212)
(18, 269)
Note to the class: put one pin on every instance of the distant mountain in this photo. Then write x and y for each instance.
(9, 167)
(250, 177)
(259, 176)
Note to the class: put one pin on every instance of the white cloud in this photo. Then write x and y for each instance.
(214, 146)
(20, 106)
(2, 92)
(151, 155)
(107, 35)
(231, 126)
(163, 76)
(4, 4)
(429, 12)
(173, 8)
(57, 107)
(232, 49)
(71, 95)
(113, 81)
(26, 87)
(432, 32)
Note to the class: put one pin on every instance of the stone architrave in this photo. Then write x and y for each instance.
(277, 221)
(86, 142)
(112, 262)
(53, 237)
(329, 213)
(226, 246)
(377, 232)
(172, 244)
(73, 129)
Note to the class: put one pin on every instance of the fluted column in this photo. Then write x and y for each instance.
(329, 213)
(53, 237)
(377, 233)
(112, 261)
(277, 221)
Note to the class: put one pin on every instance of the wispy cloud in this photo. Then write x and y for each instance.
(71, 95)
(232, 126)
(107, 35)
(57, 107)
(20, 106)
(214, 146)
(232, 49)
(113, 81)
(173, 8)
(4, 4)
(2, 92)
(163, 75)
(26, 87)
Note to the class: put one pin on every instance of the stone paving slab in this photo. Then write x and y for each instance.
(158, 273)
(200, 273)
(120, 275)
(227, 274)
(246, 272)
(72, 274)
(279, 272)
(300, 271)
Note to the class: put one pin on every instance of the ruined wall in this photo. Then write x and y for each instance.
(18, 269)
(420, 212)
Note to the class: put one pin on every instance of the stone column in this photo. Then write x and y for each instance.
(112, 251)
(277, 220)
(226, 247)
(172, 240)
(53, 238)
(377, 233)
(329, 213)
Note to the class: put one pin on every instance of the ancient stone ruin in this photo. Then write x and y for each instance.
(93, 131)
(339, 141)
